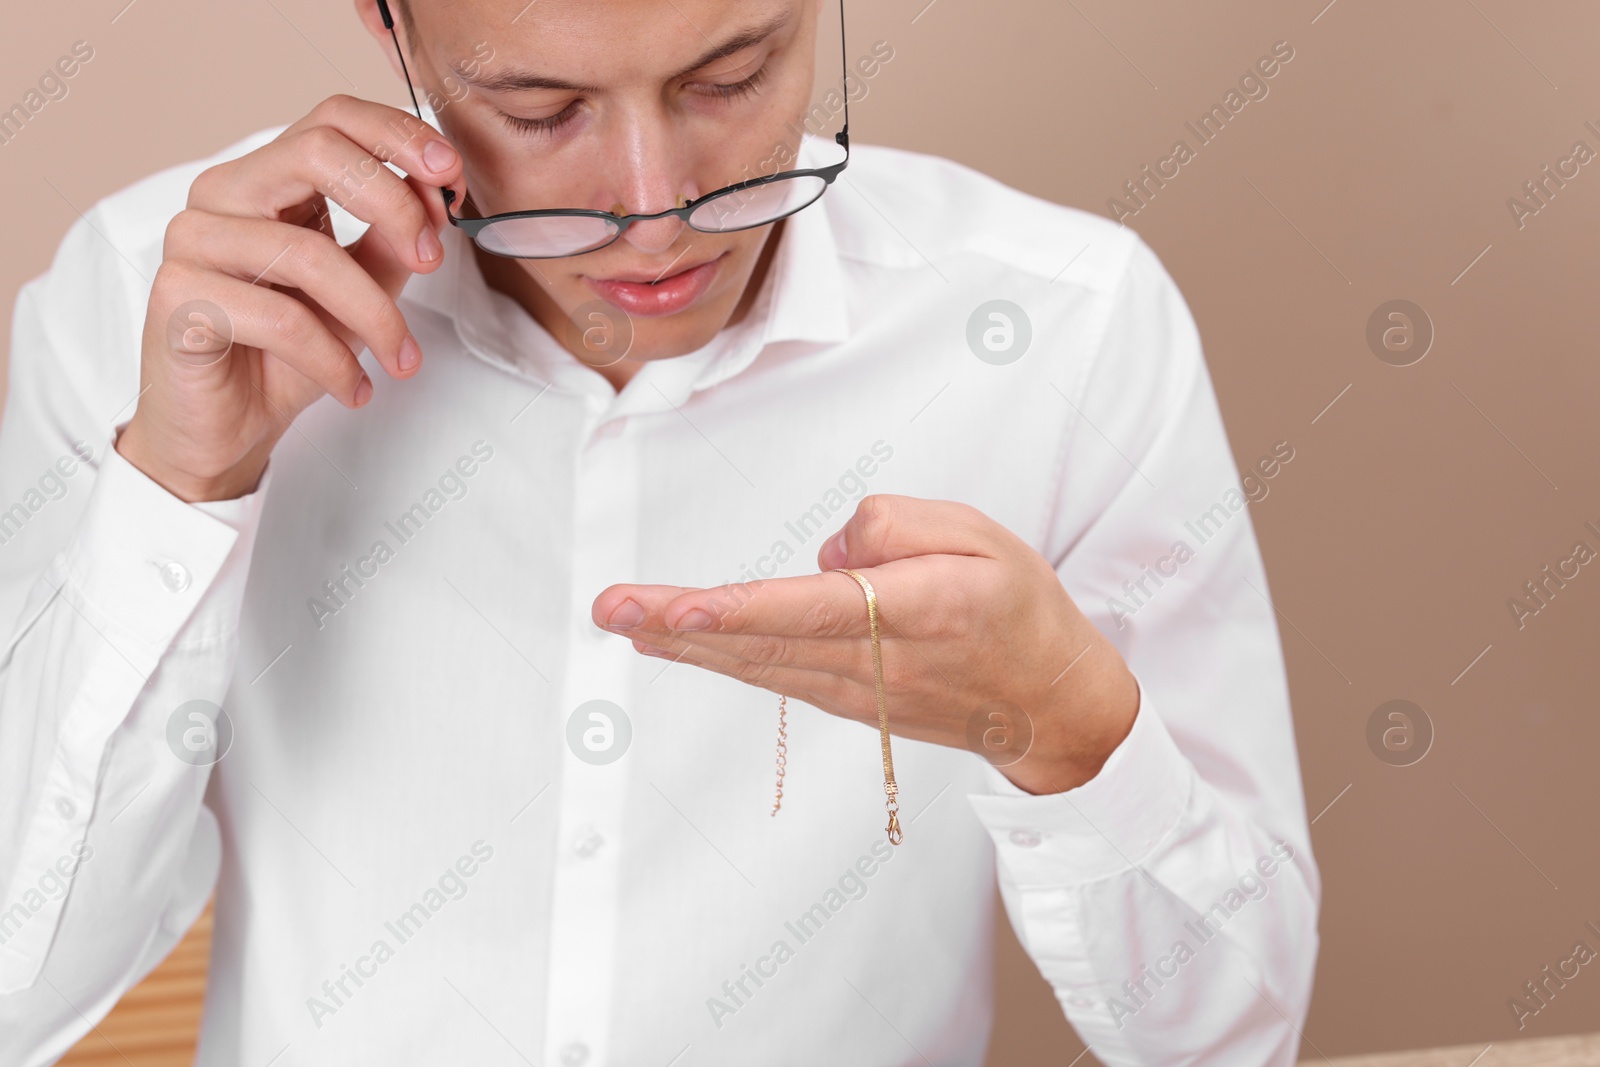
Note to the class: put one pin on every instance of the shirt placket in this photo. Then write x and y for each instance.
(594, 761)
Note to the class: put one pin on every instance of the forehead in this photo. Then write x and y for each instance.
(597, 41)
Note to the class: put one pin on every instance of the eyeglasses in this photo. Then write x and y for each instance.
(558, 232)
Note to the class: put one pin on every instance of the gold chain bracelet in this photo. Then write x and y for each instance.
(890, 788)
(783, 752)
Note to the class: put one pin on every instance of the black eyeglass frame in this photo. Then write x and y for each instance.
(472, 227)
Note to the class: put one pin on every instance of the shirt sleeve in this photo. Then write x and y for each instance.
(121, 605)
(1171, 901)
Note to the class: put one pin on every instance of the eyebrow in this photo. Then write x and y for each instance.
(509, 81)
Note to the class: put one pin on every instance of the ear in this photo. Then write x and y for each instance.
(372, 19)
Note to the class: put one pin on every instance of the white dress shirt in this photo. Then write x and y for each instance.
(417, 856)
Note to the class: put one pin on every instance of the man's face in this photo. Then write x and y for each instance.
(639, 103)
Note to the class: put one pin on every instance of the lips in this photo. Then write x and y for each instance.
(637, 294)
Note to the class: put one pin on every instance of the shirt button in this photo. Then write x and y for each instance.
(66, 808)
(1024, 838)
(574, 1053)
(588, 843)
(1078, 1000)
(175, 576)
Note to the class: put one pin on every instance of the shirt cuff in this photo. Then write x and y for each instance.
(142, 559)
(1103, 827)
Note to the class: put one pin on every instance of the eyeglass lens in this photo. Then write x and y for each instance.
(550, 236)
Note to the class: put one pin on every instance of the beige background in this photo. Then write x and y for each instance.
(1378, 167)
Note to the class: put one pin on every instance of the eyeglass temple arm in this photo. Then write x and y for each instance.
(842, 137)
(388, 22)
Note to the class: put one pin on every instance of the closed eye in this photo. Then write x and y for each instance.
(546, 127)
(738, 90)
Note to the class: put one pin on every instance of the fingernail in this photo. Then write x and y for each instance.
(439, 156)
(410, 354)
(428, 248)
(839, 549)
(363, 390)
(694, 619)
(628, 613)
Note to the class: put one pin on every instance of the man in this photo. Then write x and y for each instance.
(469, 785)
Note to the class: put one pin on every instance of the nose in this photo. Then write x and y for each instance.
(654, 176)
(655, 236)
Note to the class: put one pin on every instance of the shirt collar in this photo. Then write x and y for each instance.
(801, 300)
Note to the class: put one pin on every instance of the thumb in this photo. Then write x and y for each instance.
(888, 527)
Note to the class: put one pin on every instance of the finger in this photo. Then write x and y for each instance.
(392, 135)
(845, 655)
(277, 324)
(432, 202)
(313, 215)
(426, 157)
(828, 605)
(887, 527)
(265, 252)
(608, 608)
(338, 151)
(375, 255)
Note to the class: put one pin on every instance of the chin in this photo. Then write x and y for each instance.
(676, 335)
